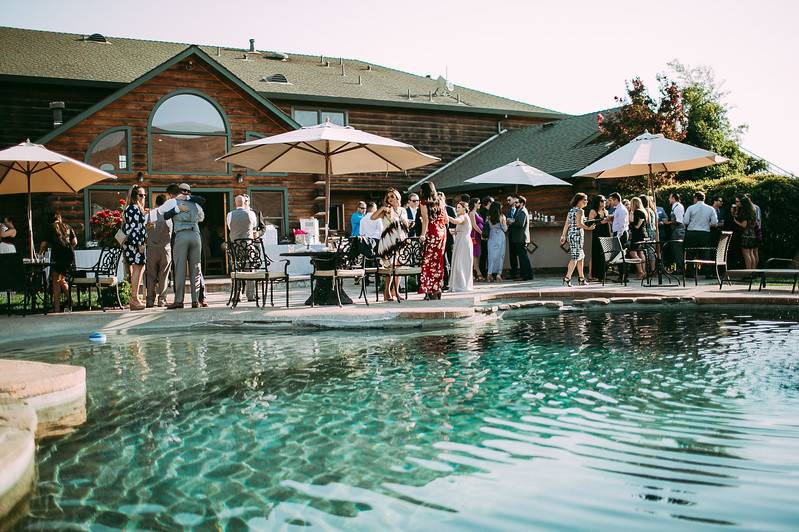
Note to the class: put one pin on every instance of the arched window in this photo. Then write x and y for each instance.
(187, 132)
(110, 151)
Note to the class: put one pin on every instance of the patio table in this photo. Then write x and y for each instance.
(660, 267)
(324, 292)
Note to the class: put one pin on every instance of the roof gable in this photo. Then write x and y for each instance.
(189, 51)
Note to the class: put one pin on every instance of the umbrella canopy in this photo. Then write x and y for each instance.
(646, 154)
(327, 149)
(517, 173)
(29, 168)
(649, 153)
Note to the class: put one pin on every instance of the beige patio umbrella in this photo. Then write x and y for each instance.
(327, 149)
(517, 173)
(647, 154)
(29, 168)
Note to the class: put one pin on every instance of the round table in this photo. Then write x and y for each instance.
(324, 292)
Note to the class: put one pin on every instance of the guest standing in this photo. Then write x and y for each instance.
(699, 219)
(186, 249)
(574, 232)
(355, 219)
(519, 236)
(620, 219)
(460, 279)
(7, 235)
(134, 248)
(241, 223)
(369, 228)
(395, 227)
(477, 224)
(62, 241)
(758, 229)
(412, 214)
(485, 207)
(745, 218)
(651, 229)
(598, 215)
(158, 255)
(497, 227)
(432, 212)
(638, 234)
(677, 237)
(513, 257)
(450, 213)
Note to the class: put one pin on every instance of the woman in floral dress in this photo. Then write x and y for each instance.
(393, 236)
(133, 226)
(433, 214)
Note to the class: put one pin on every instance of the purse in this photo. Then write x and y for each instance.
(120, 237)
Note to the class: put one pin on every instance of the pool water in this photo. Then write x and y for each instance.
(668, 419)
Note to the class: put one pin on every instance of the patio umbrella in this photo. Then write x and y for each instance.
(29, 168)
(646, 154)
(327, 149)
(517, 173)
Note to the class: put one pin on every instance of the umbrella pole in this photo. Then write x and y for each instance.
(30, 213)
(327, 193)
(654, 202)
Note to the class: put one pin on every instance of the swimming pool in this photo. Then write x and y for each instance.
(668, 419)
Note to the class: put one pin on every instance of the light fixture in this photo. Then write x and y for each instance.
(140, 176)
(240, 178)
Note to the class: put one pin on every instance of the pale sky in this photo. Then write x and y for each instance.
(571, 56)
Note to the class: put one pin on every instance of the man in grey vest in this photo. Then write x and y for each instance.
(241, 223)
(159, 254)
(187, 248)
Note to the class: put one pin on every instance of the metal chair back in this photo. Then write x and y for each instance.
(248, 255)
(723, 247)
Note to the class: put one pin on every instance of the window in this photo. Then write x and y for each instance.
(337, 217)
(271, 205)
(98, 200)
(187, 134)
(110, 151)
(311, 117)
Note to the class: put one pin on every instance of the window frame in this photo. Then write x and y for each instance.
(218, 108)
(319, 111)
(87, 230)
(285, 193)
(255, 135)
(100, 136)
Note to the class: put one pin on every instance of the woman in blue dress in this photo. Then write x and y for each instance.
(574, 232)
(497, 227)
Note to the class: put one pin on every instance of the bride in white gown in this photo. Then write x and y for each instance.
(460, 276)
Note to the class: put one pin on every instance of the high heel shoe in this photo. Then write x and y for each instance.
(567, 281)
(583, 282)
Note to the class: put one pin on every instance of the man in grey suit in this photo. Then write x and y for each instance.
(187, 248)
(159, 254)
(519, 237)
(241, 223)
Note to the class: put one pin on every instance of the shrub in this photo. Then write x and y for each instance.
(777, 197)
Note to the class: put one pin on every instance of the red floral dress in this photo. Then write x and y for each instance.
(433, 260)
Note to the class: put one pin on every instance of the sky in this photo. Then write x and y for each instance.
(571, 56)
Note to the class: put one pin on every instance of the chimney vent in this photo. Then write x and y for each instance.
(58, 117)
(252, 45)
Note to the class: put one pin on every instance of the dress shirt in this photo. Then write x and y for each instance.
(678, 211)
(371, 228)
(621, 220)
(699, 217)
(152, 217)
(253, 217)
(172, 205)
(355, 222)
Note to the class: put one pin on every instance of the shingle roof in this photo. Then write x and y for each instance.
(45, 54)
(559, 148)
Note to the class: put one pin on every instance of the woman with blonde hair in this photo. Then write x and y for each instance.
(62, 241)
(395, 232)
(639, 218)
(574, 232)
(134, 249)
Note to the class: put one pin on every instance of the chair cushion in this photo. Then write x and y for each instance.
(341, 273)
(257, 276)
(102, 281)
(401, 270)
(702, 261)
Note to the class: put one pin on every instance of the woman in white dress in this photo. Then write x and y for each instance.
(460, 277)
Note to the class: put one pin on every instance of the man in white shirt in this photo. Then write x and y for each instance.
(698, 219)
(620, 218)
(677, 231)
(371, 228)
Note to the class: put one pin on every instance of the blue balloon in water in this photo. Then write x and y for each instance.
(97, 337)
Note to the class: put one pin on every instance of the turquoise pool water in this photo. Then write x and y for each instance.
(675, 419)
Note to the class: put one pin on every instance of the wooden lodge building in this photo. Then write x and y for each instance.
(160, 112)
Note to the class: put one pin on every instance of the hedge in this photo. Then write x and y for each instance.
(777, 197)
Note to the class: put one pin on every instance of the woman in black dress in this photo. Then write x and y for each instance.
(598, 217)
(133, 226)
(638, 233)
(62, 241)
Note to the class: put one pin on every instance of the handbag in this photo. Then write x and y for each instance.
(120, 237)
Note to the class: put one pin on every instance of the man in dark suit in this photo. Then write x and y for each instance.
(485, 205)
(412, 210)
(450, 241)
(519, 237)
(513, 257)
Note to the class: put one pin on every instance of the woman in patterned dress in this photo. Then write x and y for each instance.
(395, 232)
(133, 226)
(574, 230)
(433, 214)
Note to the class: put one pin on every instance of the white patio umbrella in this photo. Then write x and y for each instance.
(517, 173)
(647, 154)
(29, 168)
(327, 149)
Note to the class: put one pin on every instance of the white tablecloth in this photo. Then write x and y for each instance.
(86, 258)
(297, 265)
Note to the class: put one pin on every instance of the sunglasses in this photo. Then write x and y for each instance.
(184, 191)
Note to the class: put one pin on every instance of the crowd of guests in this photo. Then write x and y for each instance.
(637, 223)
